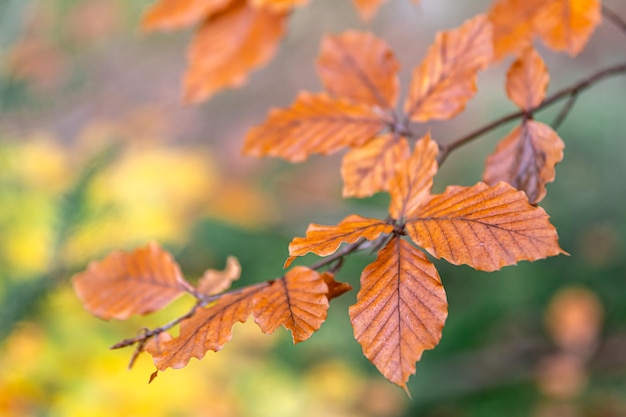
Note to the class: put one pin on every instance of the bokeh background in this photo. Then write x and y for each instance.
(98, 153)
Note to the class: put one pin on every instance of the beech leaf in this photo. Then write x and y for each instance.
(127, 283)
(527, 80)
(315, 123)
(414, 179)
(228, 45)
(484, 227)
(446, 79)
(361, 67)
(526, 159)
(214, 282)
(298, 301)
(513, 25)
(335, 288)
(400, 310)
(278, 6)
(367, 8)
(325, 240)
(369, 169)
(178, 14)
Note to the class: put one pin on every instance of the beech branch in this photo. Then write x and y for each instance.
(572, 90)
(614, 18)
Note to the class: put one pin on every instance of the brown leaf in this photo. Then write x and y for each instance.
(367, 8)
(361, 67)
(177, 14)
(214, 282)
(278, 6)
(484, 227)
(325, 240)
(335, 288)
(400, 310)
(527, 80)
(513, 25)
(526, 159)
(122, 284)
(369, 169)
(567, 25)
(446, 79)
(228, 46)
(414, 179)
(208, 329)
(297, 301)
(315, 123)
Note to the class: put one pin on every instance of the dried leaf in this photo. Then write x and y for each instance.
(278, 6)
(446, 79)
(214, 282)
(527, 80)
(369, 169)
(178, 14)
(361, 67)
(228, 46)
(335, 288)
(526, 159)
(400, 310)
(315, 123)
(208, 329)
(567, 25)
(325, 240)
(414, 179)
(139, 282)
(297, 301)
(367, 8)
(513, 25)
(484, 227)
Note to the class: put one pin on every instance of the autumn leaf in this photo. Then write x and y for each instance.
(446, 79)
(278, 6)
(228, 45)
(335, 288)
(367, 8)
(484, 227)
(526, 159)
(325, 240)
(138, 282)
(567, 25)
(527, 80)
(178, 14)
(215, 282)
(361, 67)
(400, 310)
(315, 123)
(414, 179)
(513, 25)
(210, 328)
(297, 301)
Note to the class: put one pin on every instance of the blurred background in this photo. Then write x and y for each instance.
(98, 153)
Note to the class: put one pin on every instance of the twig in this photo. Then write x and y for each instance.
(558, 120)
(614, 18)
(574, 89)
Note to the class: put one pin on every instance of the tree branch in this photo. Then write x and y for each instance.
(572, 90)
(614, 18)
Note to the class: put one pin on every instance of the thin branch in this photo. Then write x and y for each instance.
(574, 89)
(614, 18)
(569, 105)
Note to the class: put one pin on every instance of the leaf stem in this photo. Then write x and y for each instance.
(572, 90)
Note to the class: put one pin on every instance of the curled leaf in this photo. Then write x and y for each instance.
(214, 282)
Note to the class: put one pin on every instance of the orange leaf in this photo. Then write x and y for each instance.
(400, 310)
(446, 79)
(361, 67)
(484, 227)
(527, 80)
(513, 22)
(567, 25)
(177, 14)
(297, 301)
(123, 284)
(228, 46)
(526, 159)
(369, 169)
(325, 240)
(214, 282)
(367, 8)
(278, 5)
(208, 329)
(315, 123)
(414, 179)
(335, 289)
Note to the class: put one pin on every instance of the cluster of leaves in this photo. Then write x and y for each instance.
(401, 306)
